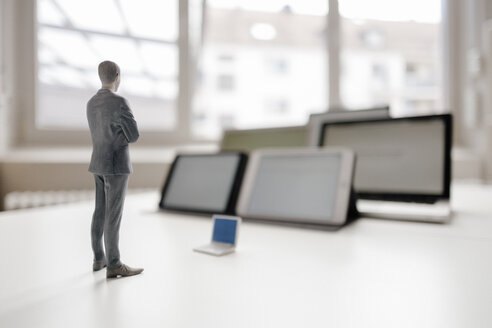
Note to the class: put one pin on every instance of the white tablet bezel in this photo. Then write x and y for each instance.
(344, 184)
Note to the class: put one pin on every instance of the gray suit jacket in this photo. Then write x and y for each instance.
(112, 127)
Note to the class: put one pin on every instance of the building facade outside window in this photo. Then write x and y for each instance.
(392, 56)
(280, 65)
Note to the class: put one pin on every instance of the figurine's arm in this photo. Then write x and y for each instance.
(128, 124)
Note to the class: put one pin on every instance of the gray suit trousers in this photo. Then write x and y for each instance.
(110, 197)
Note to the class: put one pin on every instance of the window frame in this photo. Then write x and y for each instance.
(27, 68)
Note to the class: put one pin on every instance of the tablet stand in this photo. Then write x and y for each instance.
(352, 212)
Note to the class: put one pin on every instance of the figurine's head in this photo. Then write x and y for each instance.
(109, 73)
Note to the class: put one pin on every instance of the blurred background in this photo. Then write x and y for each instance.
(192, 69)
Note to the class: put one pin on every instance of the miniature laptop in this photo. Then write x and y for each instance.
(303, 186)
(204, 183)
(224, 236)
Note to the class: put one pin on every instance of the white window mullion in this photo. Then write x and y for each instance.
(333, 44)
(185, 78)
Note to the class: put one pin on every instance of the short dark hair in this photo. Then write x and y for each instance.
(108, 71)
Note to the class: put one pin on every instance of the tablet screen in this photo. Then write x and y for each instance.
(295, 187)
(201, 182)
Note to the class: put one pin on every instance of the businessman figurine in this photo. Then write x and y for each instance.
(112, 127)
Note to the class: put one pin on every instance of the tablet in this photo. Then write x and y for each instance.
(311, 186)
(204, 183)
(400, 159)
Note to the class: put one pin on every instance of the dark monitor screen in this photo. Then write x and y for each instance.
(207, 183)
(405, 159)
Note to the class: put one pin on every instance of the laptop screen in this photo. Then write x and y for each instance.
(404, 157)
(224, 231)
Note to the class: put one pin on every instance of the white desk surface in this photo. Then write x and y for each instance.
(372, 273)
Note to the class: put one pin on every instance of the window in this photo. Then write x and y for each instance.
(277, 66)
(391, 56)
(225, 82)
(244, 63)
(279, 74)
(276, 106)
(74, 36)
(226, 58)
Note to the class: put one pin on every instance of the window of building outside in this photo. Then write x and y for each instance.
(271, 61)
(74, 36)
(225, 82)
(391, 56)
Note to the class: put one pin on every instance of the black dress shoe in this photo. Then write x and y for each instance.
(98, 265)
(123, 271)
